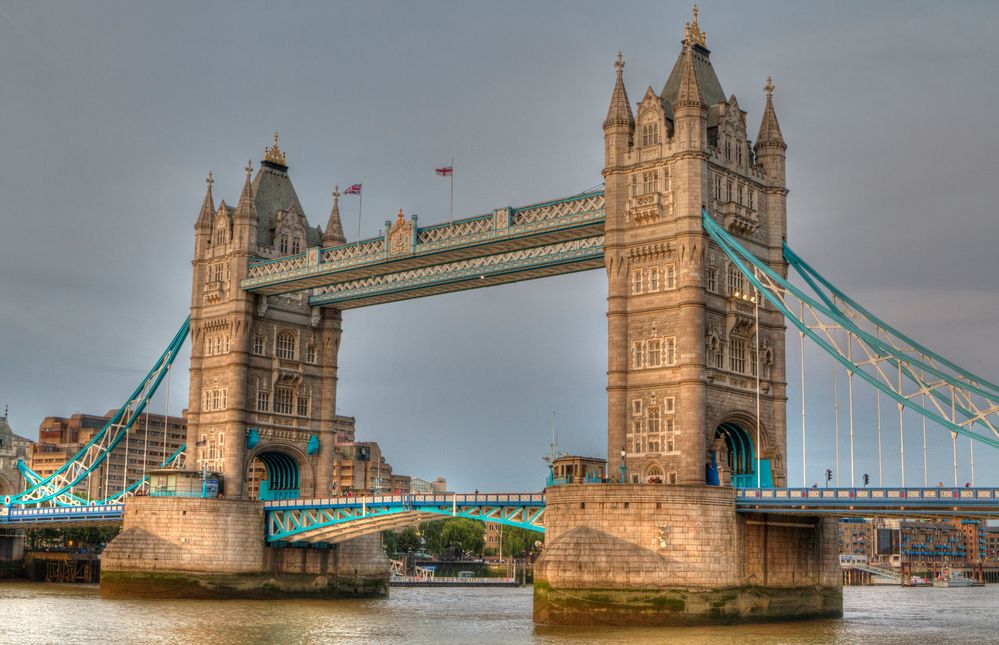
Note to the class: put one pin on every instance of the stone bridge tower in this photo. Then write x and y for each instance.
(263, 368)
(682, 322)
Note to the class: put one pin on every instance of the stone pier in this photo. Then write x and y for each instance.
(214, 548)
(638, 554)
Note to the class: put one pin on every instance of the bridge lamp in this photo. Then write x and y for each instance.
(624, 468)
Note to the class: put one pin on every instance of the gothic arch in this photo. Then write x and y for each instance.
(733, 453)
(289, 470)
(653, 473)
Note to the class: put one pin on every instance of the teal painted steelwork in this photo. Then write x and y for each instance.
(283, 479)
(252, 438)
(740, 257)
(135, 404)
(313, 446)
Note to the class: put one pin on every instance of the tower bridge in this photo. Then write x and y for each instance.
(691, 230)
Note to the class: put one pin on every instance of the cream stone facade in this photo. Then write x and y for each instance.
(682, 322)
(263, 368)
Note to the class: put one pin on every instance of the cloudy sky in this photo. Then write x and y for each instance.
(112, 113)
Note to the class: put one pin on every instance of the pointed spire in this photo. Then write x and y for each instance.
(245, 209)
(334, 228)
(690, 91)
(208, 206)
(770, 134)
(619, 112)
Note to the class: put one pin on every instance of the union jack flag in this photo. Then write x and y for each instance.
(446, 171)
(353, 190)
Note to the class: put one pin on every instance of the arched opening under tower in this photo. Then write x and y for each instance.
(733, 459)
(274, 475)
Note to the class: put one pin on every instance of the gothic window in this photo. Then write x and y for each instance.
(655, 355)
(214, 399)
(652, 427)
(216, 345)
(736, 281)
(751, 198)
(672, 478)
(718, 360)
(636, 406)
(738, 153)
(258, 345)
(713, 280)
(636, 281)
(649, 181)
(669, 404)
(650, 134)
(717, 187)
(728, 150)
(670, 276)
(215, 272)
(669, 426)
(283, 399)
(636, 354)
(728, 190)
(283, 246)
(654, 279)
(669, 350)
(303, 406)
(737, 354)
(220, 236)
(285, 347)
(634, 185)
(666, 181)
(263, 400)
(295, 246)
(740, 193)
(310, 354)
(752, 360)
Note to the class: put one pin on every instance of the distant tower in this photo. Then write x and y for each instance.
(682, 334)
(263, 368)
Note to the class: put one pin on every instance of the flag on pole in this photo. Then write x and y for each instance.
(446, 171)
(353, 190)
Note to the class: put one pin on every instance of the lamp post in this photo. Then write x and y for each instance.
(624, 469)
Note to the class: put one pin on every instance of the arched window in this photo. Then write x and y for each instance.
(295, 246)
(285, 347)
(220, 236)
(283, 245)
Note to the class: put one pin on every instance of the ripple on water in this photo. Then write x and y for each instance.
(36, 613)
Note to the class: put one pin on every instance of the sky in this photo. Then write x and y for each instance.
(112, 114)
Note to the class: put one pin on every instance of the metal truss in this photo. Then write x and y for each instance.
(913, 376)
(865, 502)
(62, 516)
(60, 484)
(176, 460)
(344, 518)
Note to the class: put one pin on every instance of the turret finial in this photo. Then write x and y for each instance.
(274, 154)
(209, 180)
(248, 168)
(336, 193)
(769, 87)
(692, 32)
(619, 63)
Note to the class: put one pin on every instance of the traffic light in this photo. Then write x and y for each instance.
(828, 476)
(867, 479)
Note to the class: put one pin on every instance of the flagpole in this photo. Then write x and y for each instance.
(450, 217)
(360, 201)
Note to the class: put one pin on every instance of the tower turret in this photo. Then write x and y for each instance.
(690, 113)
(334, 227)
(619, 126)
(770, 146)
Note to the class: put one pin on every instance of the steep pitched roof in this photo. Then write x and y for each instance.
(334, 227)
(207, 206)
(273, 191)
(619, 112)
(708, 86)
(769, 128)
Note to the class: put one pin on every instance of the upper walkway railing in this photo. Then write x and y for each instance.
(455, 248)
(870, 501)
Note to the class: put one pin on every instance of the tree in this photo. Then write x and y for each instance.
(408, 540)
(458, 533)
(518, 542)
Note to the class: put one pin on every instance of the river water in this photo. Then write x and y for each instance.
(52, 613)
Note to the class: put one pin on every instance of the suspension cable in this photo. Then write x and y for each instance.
(836, 414)
(801, 334)
(849, 381)
(901, 427)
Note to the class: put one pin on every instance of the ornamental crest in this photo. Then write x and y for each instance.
(401, 235)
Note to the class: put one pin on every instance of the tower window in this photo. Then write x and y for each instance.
(636, 281)
(220, 236)
(650, 134)
(283, 245)
(283, 400)
(285, 347)
(712, 280)
(669, 349)
(717, 187)
(258, 345)
(728, 190)
(263, 400)
(737, 354)
(654, 279)
(655, 355)
(303, 406)
(636, 354)
(728, 150)
(751, 198)
(310, 354)
(295, 246)
(636, 406)
(649, 181)
(740, 194)
(736, 281)
(670, 276)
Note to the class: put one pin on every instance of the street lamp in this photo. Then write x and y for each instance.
(624, 468)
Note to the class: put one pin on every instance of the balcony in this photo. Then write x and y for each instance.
(214, 291)
(649, 208)
(739, 219)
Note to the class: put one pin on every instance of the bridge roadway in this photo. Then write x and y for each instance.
(342, 518)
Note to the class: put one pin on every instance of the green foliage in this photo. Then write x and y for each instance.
(518, 542)
(405, 541)
(454, 533)
(90, 538)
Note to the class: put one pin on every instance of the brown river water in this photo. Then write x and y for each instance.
(52, 613)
